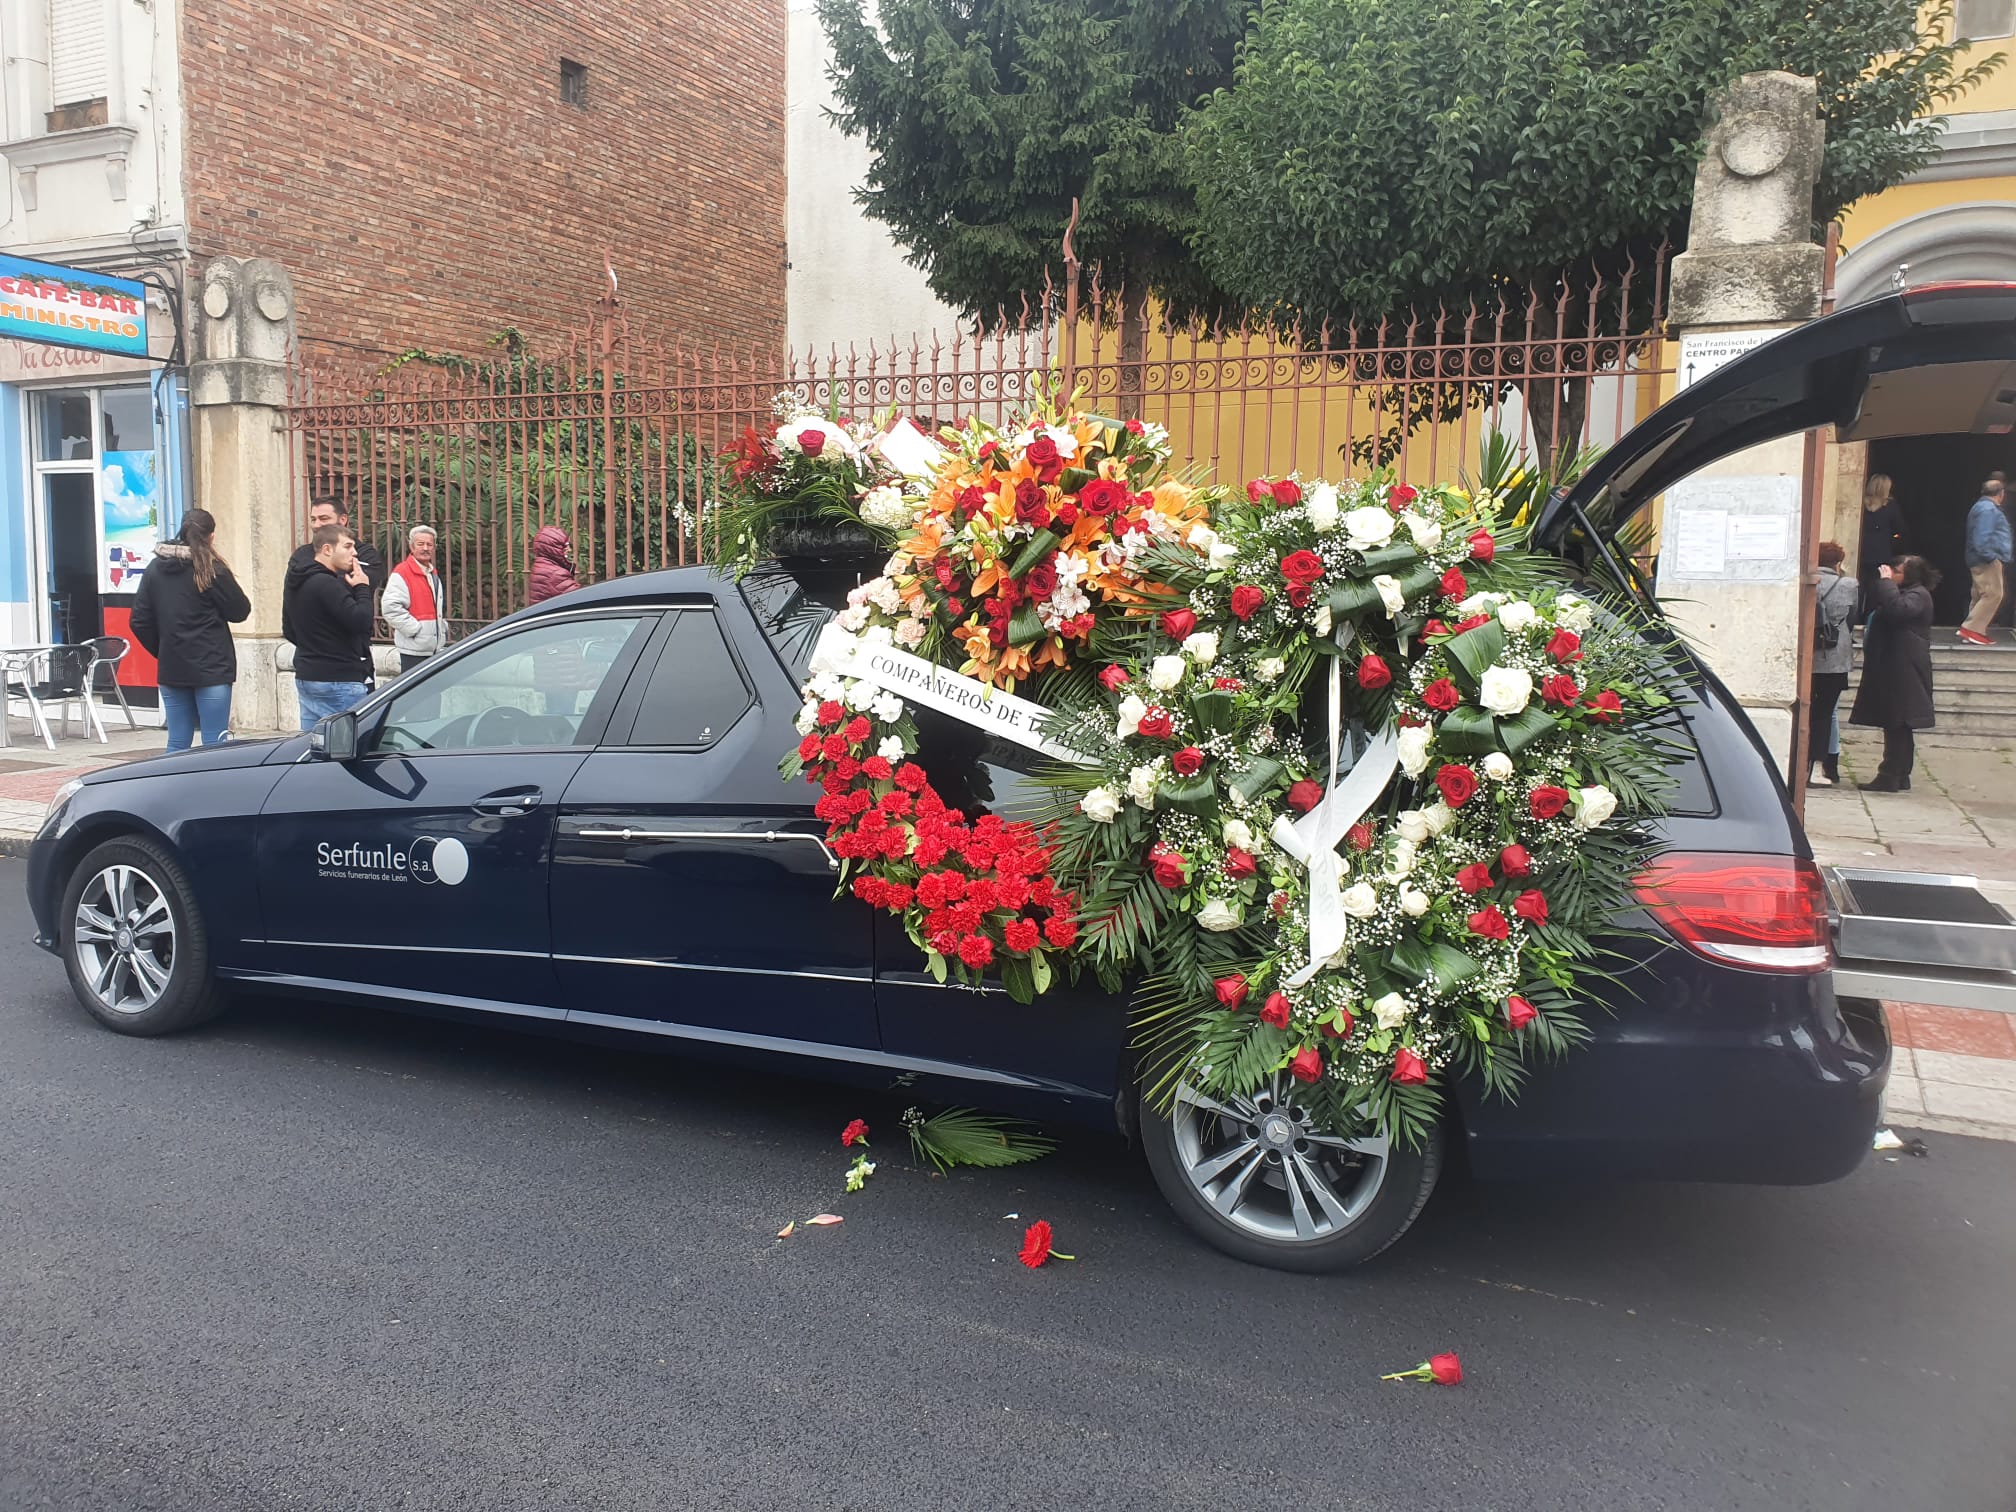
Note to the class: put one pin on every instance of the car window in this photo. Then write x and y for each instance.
(973, 770)
(792, 607)
(695, 692)
(533, 687)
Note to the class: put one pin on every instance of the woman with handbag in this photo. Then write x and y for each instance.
(1833, 659)
(1896, 691)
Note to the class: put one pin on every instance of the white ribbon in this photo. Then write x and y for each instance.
(1313, 839)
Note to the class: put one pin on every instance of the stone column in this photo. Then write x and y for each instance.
(246, 460)
(1732, 554)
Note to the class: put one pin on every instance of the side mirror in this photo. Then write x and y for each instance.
(336, 737)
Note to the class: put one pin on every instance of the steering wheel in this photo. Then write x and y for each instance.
(501, 725)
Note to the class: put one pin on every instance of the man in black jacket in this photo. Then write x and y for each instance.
(330, 602)
(328, 510)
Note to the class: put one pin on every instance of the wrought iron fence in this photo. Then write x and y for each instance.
(616, 437)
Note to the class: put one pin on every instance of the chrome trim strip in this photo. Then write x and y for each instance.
(817, 976)
(762, 837)
(527, 955)
(395, 996)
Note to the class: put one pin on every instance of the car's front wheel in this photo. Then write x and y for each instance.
(133, 941)
(1253, 1177)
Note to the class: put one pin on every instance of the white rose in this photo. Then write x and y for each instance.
(1323, 620)
(1391, 1011)
(807, 720)
(1413, 902)
(1505, 690)
(1237, 834)
(1321, 504)
(1427, 534)
(1414, 742)
(879, 635)
(1400, 861)
(1202, 647)
(1141, 785)
(1390, 594)
(888, 708)
(1269, 669)
(1131, 710)
(1360, 901)
(1368, 528)
(1439, 816)
(1595, 805)
(890, 749)
(1102, 805)
(1203, 537)
(1165, 673)
(1574, 612)
(1498, 766)
(1219, 916)
(1518, 615)
(1479, 603)
(1413, 825)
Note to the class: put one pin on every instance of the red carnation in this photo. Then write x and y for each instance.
(910, 776)
(1441, 695)
(1458, 783)
(1605, 706)
(1342, 1028)
(858, 729)
(1061, 930)
(1531, 906)
(1287, 492)
(877, 768)
(832, 712)
(1409, 1070)
(976, 951)
(812, 442)
(1482, 547)
(1021, 935)
(1178, 623)
(1187, 762)
(1359, 836)
(1559, 689)
(1305, 795)
(1519, 1013)
(1307, 1065)
(1474, 878)
(1454, 585)
(1275, 1010)
(1169, 868)
(1066, 515)
(808, 748)
(857, 1130)
(1301, 567)
(1136, 428)
(1239, 864)
(1156, 724)
(1230, 991)
(1373, 673)
(1246, 600)
(1514, 861)
(1489, 923)
(834, 746)
(1110, 678)
(1547, 802)
(1565, 646)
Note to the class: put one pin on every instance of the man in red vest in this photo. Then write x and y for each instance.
(413, 604)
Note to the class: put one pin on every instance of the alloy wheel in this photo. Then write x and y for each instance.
(124, 937)
(1264, 1168)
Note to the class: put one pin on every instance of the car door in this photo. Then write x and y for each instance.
(421, 865)
(692, 887)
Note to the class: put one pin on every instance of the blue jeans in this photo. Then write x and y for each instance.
(321, 699)
(191, 708)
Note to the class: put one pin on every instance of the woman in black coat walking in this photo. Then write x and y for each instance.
(188, 602)
(1896, 691)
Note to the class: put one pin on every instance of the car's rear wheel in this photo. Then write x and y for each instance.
(1254, 1178)
(133, 942)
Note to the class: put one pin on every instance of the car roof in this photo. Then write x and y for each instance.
(1932, 360)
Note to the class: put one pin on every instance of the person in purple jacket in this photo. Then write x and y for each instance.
(552, 566)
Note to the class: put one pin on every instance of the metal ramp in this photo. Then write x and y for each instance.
(1919, 938)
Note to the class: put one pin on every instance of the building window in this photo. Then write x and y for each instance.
(79, 64)
(1974, 20)
(574, 82)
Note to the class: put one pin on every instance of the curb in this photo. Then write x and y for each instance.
(15, 846)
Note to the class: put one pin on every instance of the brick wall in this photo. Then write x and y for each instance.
(416, 169)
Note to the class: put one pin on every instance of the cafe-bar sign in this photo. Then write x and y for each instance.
(72, 307)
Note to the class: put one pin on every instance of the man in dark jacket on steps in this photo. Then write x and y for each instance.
(328, 614)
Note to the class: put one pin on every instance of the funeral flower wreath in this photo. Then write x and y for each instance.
(1349, 788)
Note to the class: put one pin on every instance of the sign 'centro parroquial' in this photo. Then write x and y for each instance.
(72, 307)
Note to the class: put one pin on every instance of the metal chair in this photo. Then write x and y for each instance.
(111, 650)
(66, 680)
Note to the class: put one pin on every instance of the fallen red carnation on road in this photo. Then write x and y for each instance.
(857, 1130)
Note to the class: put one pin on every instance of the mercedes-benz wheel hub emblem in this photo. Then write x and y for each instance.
(1277, 1131)
(123, 941)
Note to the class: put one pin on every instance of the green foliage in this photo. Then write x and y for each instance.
(962, 1137)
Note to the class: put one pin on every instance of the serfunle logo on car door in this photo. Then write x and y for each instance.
(430, 859)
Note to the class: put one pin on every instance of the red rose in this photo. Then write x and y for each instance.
(858, 1129)
(1287, 492)
(1302, 567)
(812, 442)
(1547, 802)
(1515, 862)
(1021, 935)
(1061, 930)
(1278, 903)
(1482, 547)
(1187, 762)
(1036, 1244)
(1445, 1369)
(1256, 490)
(1042, 455)
(1110, 678)
(1474, 878)
(976, 951)
(1299, 594)
(1156, 724)
(1409, 1070)
(1169, 868)
(1229, 684)
(1605, 706)
(1400, 496)
(1359, 836)
(1441, 695)
(1434, 627)
(1041, 580)
(1565, 646)
(1457, 783)
(1307, 1065)
(1275, 1010)
(1178, 623)
(987, 449)
(1246, 600)
(1230, 991)
(972, 499)
(1519, 1013)
(1342, 1028)
(1031, 508)
(1559, 689)
(1469, 624)
(1489, 923)
(1373, 673)
(1531, 906)
(1136, 428)
(1305, 795)
(1454, 585)
(1102, 496)
(1239, 864)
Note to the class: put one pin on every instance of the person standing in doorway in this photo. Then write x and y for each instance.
(1896, 691)
(332, 626)
(1989, 547)
(187, 604)
(552, 566)
(1882, 538)
(1833, 660)
(414, 605)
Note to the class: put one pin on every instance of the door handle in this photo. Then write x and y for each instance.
(510, 805)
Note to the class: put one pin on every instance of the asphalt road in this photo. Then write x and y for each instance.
(327, 1259)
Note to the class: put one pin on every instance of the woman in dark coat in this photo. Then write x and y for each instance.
(188, 603)
(1896, 691)
(552, 565)
(1882, 539)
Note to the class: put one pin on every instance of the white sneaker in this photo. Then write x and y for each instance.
(1819, 779)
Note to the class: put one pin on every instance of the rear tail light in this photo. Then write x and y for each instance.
(1768, 913)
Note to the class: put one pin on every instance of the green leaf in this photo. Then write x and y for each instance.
(1074, 478)
(1525, 727)
(1351, 599)
(1214, 709)
(1467, 730)
(1257, 778)
(1039, 971)
(1474, 652)
(1018, 979)
(960, 1136)
(1040, 546)
(937, 964)
(1190, 795)
(1026, 628)
(1386, 558)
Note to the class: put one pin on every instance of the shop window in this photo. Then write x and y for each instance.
(1975, 20)
(63, 427)
(128, 420)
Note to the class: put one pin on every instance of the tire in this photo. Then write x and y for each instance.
(134, 943)
(1357, 1198)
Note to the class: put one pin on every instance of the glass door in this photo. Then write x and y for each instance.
(97, 513)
